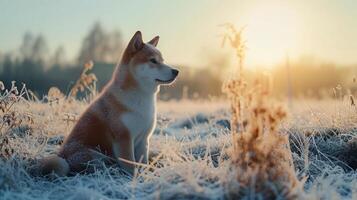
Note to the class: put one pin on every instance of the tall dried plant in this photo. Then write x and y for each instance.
(86, 81)
(260, 154)
(234, 38)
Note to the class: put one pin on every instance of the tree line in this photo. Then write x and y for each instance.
(33, 63)
(41, 69)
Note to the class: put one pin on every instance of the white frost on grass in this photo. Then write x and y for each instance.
(189, 158)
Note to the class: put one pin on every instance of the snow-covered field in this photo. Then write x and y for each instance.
(189, 157)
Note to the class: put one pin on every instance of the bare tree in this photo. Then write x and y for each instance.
(116, 46)
(100, 46)
(26, 46)
(1, 57)
(33, 48)
(59, 56)
(91, 44)
(40, 49)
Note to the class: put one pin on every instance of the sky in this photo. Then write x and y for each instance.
(189, 29)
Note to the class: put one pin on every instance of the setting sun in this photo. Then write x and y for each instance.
(271, 32)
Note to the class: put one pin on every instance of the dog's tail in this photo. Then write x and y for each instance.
(54, 164)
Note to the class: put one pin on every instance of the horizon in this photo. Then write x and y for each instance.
(305, 29)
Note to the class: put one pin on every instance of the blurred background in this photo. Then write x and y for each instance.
(306, 48)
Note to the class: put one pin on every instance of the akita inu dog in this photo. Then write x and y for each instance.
(120, 121)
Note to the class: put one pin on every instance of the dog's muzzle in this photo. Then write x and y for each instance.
(174, 72)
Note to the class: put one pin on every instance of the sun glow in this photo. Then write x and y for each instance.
(271, 32)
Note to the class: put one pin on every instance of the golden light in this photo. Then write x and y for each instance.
(271, 32)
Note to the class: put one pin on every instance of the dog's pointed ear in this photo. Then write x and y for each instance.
(136, 42)
(154, 41)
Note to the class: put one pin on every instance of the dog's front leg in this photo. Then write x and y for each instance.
(123, 150)
(142, 151)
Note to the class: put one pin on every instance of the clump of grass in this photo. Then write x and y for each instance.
(260, 155)
(54, 95)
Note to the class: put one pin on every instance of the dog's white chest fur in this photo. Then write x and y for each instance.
(140, 120)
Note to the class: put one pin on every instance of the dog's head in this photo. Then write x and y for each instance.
(145, 63)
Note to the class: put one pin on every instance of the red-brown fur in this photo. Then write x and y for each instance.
(98, 129)
(93, 131)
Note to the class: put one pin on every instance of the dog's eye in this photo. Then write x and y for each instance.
(153, 60)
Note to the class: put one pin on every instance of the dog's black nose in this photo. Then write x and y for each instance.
(175, 72)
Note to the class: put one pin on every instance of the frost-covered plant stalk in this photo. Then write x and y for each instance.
(86, 81)
(11, 117)
(260, 155)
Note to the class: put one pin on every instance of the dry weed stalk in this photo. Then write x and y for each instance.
(352, 100)
(260, 155)
(10, 116)
(85, 81)
(236, 41)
